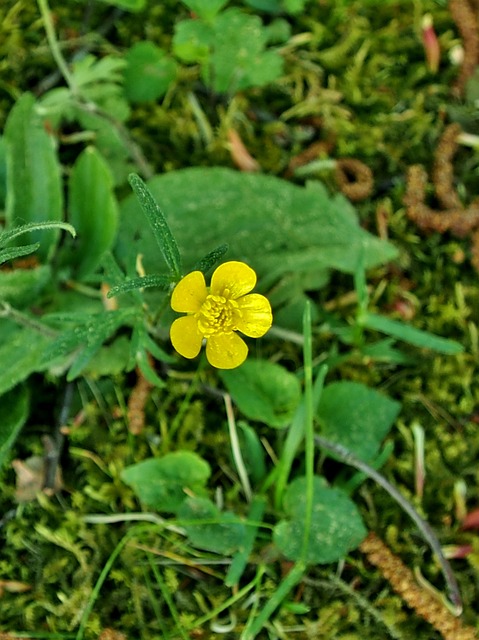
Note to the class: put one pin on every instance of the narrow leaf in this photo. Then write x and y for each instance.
(409, 334)
(157, 220)
(163, 282)
(212, 258)
(17, 252)
(93, 210)
(34, 189)
(13, 414)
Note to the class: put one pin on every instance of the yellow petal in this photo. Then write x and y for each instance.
(226, 350)
(233, 280)
(190, 293)
(256, 317)
(185, 337)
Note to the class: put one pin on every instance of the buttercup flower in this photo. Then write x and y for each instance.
(214, 314)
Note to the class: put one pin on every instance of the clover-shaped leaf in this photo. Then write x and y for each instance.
(336, 526)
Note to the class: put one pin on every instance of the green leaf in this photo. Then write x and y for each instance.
(129, 5)
(357, 417)
(9, 234)
(13, 415)
(264, 391)
(211, 259)
(163, 282)
(252, 451)
(89, 335)
(149, 72)
(221, 532)
(273, 225)
(21, 353)
(239, 59)
(17, 252)
(160, 483)
(22, 286)
(34, 189)
(205, 9)
(158, 224)
(336, 526)
(192, 41)
(93, 210)
(409, 334)
(3, 172)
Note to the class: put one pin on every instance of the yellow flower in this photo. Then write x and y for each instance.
(215, 314)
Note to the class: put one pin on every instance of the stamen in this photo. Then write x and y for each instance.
(218, 314)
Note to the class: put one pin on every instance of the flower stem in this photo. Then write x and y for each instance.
(53, 44)
(346, 456)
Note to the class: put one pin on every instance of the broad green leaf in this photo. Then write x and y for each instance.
(273, 225)
(264, 391)
(21, 287)
(160, 483)
(205, 9)
(13, 415)
(93, 210)
(409, 334)
(215, 530)
(34, 189)
(336, 525)
(356, 416)
(21, 351)
(158, 224)
(149, 73)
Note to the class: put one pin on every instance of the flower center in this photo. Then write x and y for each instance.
(217, 315)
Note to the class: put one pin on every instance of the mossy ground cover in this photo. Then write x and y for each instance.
(89, 555)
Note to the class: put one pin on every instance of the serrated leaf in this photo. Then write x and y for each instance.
(215, 530)
(336, 526)
(193, 40)
(264, 391)
(13, 415)
(239, 59)
(34, 189)
(93, 211)
(160, 483)
(357, 417)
